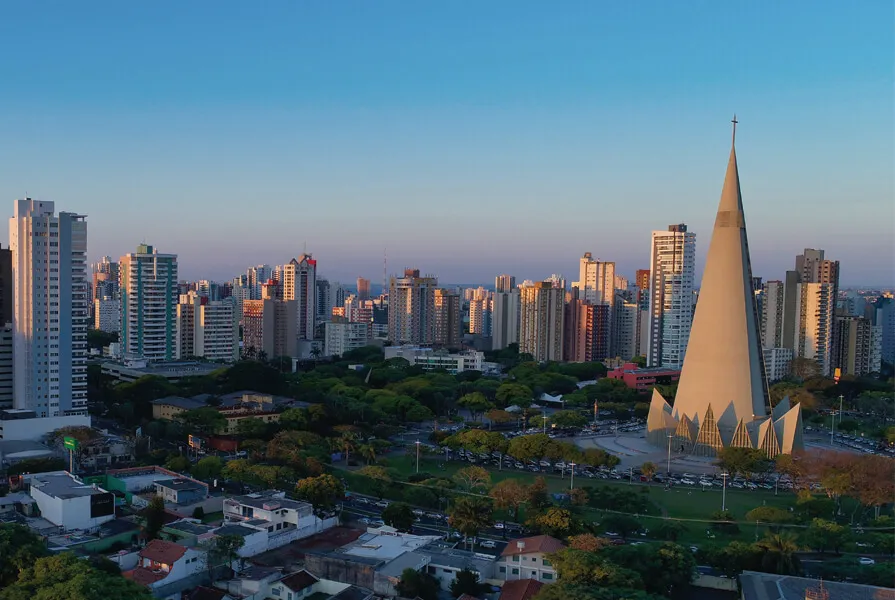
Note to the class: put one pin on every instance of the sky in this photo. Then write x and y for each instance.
(463, 138)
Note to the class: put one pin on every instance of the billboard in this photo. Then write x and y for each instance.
(102, 505)
(195, 441)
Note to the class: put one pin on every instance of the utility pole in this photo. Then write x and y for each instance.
(545, 423)
(724, 476)
(840, 412)
(417, 456)
(572, 485)
(595, 414)
(668, 467)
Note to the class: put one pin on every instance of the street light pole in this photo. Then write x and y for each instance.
(545, 423)
(572, 485)
(595, 414)
(668, 466)
(417, 456)
(724, 491)
(840, 412)
(832, 425)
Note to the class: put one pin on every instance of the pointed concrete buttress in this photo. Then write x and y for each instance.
(723, 364)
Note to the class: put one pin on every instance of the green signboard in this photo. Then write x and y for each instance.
(70, 443)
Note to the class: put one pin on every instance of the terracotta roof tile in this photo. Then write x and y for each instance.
(144, 576)
(299, 581)
(538, 543)
(520, 589)
(163, 552)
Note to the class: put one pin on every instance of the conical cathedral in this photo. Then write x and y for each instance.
(722, 396)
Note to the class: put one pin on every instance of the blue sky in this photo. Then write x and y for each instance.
(469, 138)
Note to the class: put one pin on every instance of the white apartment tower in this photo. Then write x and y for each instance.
(51, 310)
(772, 314)
(149, 304)
(672, 265)
(596, 281)
(411, 308)
(299, 283)
(207, 329)
(541, 321)
(814, 319)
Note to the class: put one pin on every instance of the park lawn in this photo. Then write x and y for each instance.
(682, 502)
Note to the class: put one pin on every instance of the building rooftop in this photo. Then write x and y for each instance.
(180, 485)
(352, 593)
(63, 486)
(520, 589)
(258, 573)
(179, 402)
(299, 581)
(269, 500)
(240, 530)
(538, 543)
(766, 586)
(163, 552)
(189, 527)
(386, 543)
(408, 560)
(457, 559)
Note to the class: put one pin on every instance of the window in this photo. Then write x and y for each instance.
(515, 571)
(515, 558)
(503, 569)
(534, 574)
(546, 575)
(546, 562)
(533, 559)
(275, 591)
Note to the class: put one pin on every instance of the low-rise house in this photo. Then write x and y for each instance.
(164, 563)
(525, 558)
(446, 562)
(181, 490)
(69, 503)
(282, 519)
(169, 407)
(520, 589)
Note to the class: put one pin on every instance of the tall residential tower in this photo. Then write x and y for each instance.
(672, 266)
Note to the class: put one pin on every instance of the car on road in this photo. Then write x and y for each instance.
(488, 544)
(866, 562)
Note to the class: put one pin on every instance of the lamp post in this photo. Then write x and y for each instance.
(545, 423)
(572, 471)
(595, 414)
(832, 425)
(630, 475)
(417, 456)
(724, 476)
(668, 466)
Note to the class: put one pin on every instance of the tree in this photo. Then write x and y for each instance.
(178, 463)
(537, 494)
(623, 525)
(780, 554)
(208, 468)
(664, 568)
(668, 530)
(768, 514)
(588, 542)
(554, 521)
(475, 403)
(19, 548)
(568, 418)
(735, 558)
(347, 442)
(509, 394)
(154, 517)
(742, 461)
(69, 577)
(399, 515)
(469, 515)
(322, 492)
(467, 582)
(824, 535)
(472, 478)
(790, 465)
(804, 368)
(379, 476)
(202, 421)
(250, 427)
(499, 416)
(649, 469)
(416, 584)
(529, 447)
(509, 494)
(579, 567)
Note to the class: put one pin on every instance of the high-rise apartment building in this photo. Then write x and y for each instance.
(411, 308)
(504, 283)
(6, 286)
(621, 282)
(505, 318)
(363, 288)
(596, 286)
(342, 336)
(642, 279)
(448, 330)
(269, 325)
(858, 349)
(541, 321)
(884, 318)
(50, 309)
(107, 314)
(324, 300)
(105, 279)
(672, 266)
(627, 329)
(299, 283)
(149, 294)
(480, 315)
(256, 277)
(772, 311)
(6, 365)
(207, 329)
(814, 324)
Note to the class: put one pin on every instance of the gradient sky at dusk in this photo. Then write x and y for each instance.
(470, 138)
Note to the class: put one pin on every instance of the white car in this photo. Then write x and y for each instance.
(866, 562)
(488, 544)
(498, 525)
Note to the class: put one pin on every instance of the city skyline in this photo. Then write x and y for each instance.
(535, 136)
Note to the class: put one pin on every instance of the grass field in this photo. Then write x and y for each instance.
(682, 502)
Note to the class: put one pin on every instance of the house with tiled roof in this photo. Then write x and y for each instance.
(526, 558)
(161, 563)
(295, 585)
(520, 589)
